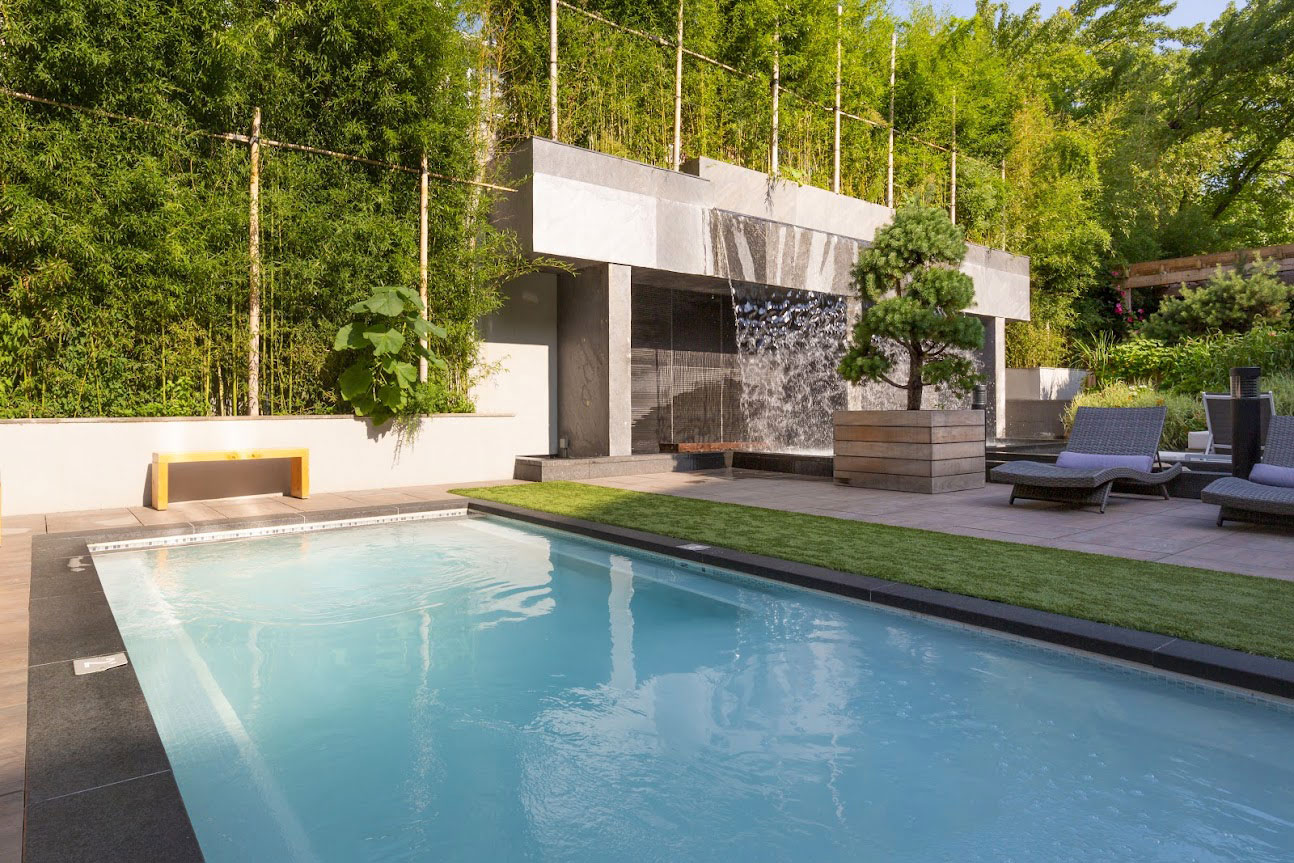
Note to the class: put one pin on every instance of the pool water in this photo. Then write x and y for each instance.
(480, 690)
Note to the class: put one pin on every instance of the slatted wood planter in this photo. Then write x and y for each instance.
(920, 451)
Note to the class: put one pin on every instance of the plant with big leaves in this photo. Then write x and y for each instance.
(387, 336)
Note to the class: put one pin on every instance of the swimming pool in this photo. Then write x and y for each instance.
(478, 689)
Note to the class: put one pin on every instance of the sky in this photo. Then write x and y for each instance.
(1187, 12)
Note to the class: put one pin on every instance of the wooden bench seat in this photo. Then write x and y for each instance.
(162, 462)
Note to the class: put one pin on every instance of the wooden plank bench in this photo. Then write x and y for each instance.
(162, 462)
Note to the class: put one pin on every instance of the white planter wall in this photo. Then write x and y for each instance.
(73, 464)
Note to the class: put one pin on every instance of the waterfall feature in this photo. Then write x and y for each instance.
(789, 343)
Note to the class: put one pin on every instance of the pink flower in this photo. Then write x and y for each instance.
(1118, 308)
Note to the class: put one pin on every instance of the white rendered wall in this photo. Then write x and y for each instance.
(73, 464)
(519, 361)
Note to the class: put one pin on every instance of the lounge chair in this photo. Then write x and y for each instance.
(1267, 496)
(1217, 415)
(1106, 446)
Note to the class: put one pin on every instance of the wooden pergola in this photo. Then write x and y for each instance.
(1167, 277)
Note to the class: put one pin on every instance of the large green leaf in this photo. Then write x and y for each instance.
(425, 329)
(386, 302)
(385, 340)
(355, 381)
(391, 395)
(349, 337)
(405, 372)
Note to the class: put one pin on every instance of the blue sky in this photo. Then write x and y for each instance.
(1187, 12)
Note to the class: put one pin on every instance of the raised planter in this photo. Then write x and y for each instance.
(1044, 383)
(920, 451)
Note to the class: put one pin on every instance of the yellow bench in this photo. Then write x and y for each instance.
(162, 462)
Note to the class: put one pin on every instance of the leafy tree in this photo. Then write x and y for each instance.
(913, 297)
(1232, 301)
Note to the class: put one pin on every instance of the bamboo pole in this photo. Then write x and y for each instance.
(952, 199)
(777, 87)
(1004, 203)
(552, 69)
(889, 183)
(835, 152)
(254, 273)
(422, 259)
(678, 92)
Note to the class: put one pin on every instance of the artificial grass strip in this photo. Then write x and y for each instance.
(1242, 612)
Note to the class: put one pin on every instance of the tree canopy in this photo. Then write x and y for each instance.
(912, 297)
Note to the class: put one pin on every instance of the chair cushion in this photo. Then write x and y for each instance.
(1088, 461)
(1270, 474)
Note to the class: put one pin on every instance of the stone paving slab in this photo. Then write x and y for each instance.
(1171, 531)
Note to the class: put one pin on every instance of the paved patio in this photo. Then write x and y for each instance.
(1174, 531)
(1171, 531)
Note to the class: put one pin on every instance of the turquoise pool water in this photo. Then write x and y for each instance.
(480, 690)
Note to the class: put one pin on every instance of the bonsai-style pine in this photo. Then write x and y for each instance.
(912, 297)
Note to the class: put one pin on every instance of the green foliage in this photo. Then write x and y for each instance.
(388, 331)
(1232, 301)
(1032, 343)
(913, 295)
(1198, 364)
(1184, 413)
(123, 247)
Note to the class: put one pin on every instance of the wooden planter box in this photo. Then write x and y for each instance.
(921, 451)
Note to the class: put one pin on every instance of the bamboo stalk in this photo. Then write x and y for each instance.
(422, 259)
(254, 273)
(678, 93)
(777, 87)
(952, 202)
(552, 69)
(889, 183)
(835, 152)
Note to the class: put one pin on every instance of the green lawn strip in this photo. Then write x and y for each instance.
(1243, 612)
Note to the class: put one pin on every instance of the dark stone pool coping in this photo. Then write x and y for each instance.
(99, 785)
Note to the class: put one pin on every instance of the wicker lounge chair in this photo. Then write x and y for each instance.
(1104, 443)
(1245, 500)
(1217, 415)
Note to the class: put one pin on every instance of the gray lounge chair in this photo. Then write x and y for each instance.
(1217, 414)
(1105, 441)
(1245, 500)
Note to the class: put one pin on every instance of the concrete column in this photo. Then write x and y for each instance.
(593, 360)
(995, 375)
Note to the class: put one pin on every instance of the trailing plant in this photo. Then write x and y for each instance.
(913, 297)
(387, 333)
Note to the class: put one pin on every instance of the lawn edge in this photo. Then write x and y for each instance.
(1259, 673)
